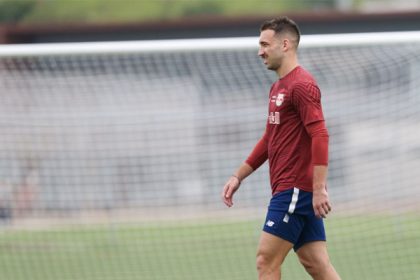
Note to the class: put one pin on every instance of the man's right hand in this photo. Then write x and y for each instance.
(231, 186)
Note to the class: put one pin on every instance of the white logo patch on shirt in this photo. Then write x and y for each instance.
(279, 99)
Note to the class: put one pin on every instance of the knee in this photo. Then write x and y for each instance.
(262, 261)
(315, 267)
(266, 263)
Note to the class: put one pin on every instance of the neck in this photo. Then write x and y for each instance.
(287, 66)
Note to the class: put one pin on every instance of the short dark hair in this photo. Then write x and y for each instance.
(281, 25)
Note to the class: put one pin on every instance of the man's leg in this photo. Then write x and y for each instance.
(272, 251)
(314, 257)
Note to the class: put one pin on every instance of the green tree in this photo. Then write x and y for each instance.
(15, 11)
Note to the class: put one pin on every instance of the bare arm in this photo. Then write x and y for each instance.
(257, 157)
(233, 183)
(321, 202)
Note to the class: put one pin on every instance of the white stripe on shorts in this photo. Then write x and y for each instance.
(292, 205)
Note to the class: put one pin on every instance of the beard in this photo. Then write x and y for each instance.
(273, 66)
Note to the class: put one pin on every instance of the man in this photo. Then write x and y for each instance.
(295, 142)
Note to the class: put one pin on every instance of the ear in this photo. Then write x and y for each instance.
(286, 44)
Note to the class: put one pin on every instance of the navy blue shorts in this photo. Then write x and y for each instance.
(291, 217)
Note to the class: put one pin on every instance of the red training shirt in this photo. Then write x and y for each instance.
(295, 137)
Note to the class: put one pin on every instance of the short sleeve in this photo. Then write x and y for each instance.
(306, 98)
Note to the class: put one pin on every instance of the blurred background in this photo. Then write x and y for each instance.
(35, 21)
(112, 162)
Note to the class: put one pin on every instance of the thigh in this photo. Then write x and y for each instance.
(313, 254)
(274, 248)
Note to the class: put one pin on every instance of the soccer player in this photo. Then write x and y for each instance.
(295, 142)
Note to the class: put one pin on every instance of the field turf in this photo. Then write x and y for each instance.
(376, 247)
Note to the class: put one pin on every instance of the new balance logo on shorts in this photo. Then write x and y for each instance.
(270, 223)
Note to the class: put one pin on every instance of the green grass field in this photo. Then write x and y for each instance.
(360, 248)
(157, 10)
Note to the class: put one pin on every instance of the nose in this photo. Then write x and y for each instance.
(260, 52)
